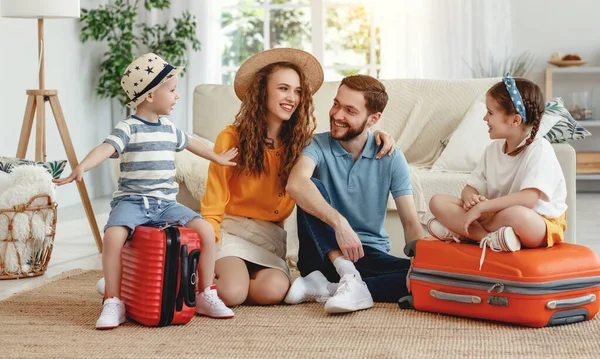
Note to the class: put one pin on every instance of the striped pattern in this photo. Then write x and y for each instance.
(146, 153)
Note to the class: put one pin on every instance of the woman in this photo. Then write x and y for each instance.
(247, 204)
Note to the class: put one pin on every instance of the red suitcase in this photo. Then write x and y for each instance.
(531, 287)
(159, 275)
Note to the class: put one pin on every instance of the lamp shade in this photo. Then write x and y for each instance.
(41, 9)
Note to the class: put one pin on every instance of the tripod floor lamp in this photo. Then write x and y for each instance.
(36, 99)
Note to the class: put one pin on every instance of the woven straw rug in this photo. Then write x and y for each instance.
(57, 320)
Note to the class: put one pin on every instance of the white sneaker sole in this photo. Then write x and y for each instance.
(340, 308)
(437, 236)
(226, 316)
(509, 238)
(104, 327)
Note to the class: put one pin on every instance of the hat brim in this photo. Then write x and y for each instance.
(308, 64)
(174, 72)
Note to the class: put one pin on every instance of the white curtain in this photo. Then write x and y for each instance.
(441, 38)
(203, 66)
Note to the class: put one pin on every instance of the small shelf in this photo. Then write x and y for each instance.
(588, 177)
(579, 69)
(589, 123)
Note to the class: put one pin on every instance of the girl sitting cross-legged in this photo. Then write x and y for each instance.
(516, 195)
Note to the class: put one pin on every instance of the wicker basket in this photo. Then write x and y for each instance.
(27, 256)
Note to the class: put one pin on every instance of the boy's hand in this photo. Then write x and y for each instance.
(76, 175)
(472, 200)
(224, 158)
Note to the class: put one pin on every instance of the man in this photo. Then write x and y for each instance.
(342, 209)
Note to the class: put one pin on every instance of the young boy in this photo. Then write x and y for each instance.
(145, 144)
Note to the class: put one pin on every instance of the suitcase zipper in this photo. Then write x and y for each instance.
(498, 286)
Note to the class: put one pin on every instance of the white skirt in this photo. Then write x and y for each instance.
(253, 240)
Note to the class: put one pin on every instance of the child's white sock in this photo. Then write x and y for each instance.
(344, 266)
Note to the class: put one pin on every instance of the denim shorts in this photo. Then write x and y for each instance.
(133, 211)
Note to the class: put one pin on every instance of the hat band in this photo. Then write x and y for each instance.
(161, 75)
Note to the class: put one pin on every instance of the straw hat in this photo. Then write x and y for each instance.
(309, 65)
(144, 75)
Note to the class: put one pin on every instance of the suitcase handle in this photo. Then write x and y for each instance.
(185, 277)
(460, 298)
(190, 294)
(571, 302)
(187, 282)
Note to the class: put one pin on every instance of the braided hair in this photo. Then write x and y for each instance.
(533, 100)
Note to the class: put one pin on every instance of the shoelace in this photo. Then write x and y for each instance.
(485, 243)
(213, 299)
(344, 287)
(111, 309)
(455, 238)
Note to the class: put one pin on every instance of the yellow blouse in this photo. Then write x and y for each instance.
(259, 197)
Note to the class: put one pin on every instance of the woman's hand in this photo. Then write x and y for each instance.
(389, 144)
(224, 158)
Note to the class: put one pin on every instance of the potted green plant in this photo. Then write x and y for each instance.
(115, 24)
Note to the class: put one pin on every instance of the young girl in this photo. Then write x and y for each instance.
(516, 195)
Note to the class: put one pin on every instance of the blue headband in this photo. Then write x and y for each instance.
(515, 95)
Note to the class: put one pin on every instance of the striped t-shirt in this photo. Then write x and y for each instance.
(146, 153)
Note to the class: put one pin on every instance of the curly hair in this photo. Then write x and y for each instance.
(533, 100)
(251, 125)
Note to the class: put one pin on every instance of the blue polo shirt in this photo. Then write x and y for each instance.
(360, 190)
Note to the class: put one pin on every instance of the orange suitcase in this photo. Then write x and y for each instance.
(531, 287)
(159, 275)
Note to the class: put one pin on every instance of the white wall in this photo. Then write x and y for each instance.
(547, 26)
(70, 69)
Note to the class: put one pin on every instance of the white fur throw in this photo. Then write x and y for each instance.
(16, 189)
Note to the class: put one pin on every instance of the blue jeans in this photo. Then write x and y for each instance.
(131, 211)
(384, 274)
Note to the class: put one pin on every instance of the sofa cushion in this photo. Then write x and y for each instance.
(567, 128)
(467, 143)
(465, 146)
(55, 168)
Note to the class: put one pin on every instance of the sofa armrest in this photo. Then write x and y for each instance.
(192, 174)
(568, 159)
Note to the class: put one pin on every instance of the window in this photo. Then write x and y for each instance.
(342, 35)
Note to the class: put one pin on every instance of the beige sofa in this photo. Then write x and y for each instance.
(420, 115)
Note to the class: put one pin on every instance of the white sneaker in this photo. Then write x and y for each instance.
(503, 240)
(436, 229)
(100, 286)
(352, 295)
(113, 314)
(312, 288)
(209, 304)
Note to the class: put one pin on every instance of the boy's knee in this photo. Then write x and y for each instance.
(116, 235)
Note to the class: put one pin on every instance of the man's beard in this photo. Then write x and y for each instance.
(351, 132)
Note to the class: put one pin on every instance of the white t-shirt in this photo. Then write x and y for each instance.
(499, 174)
